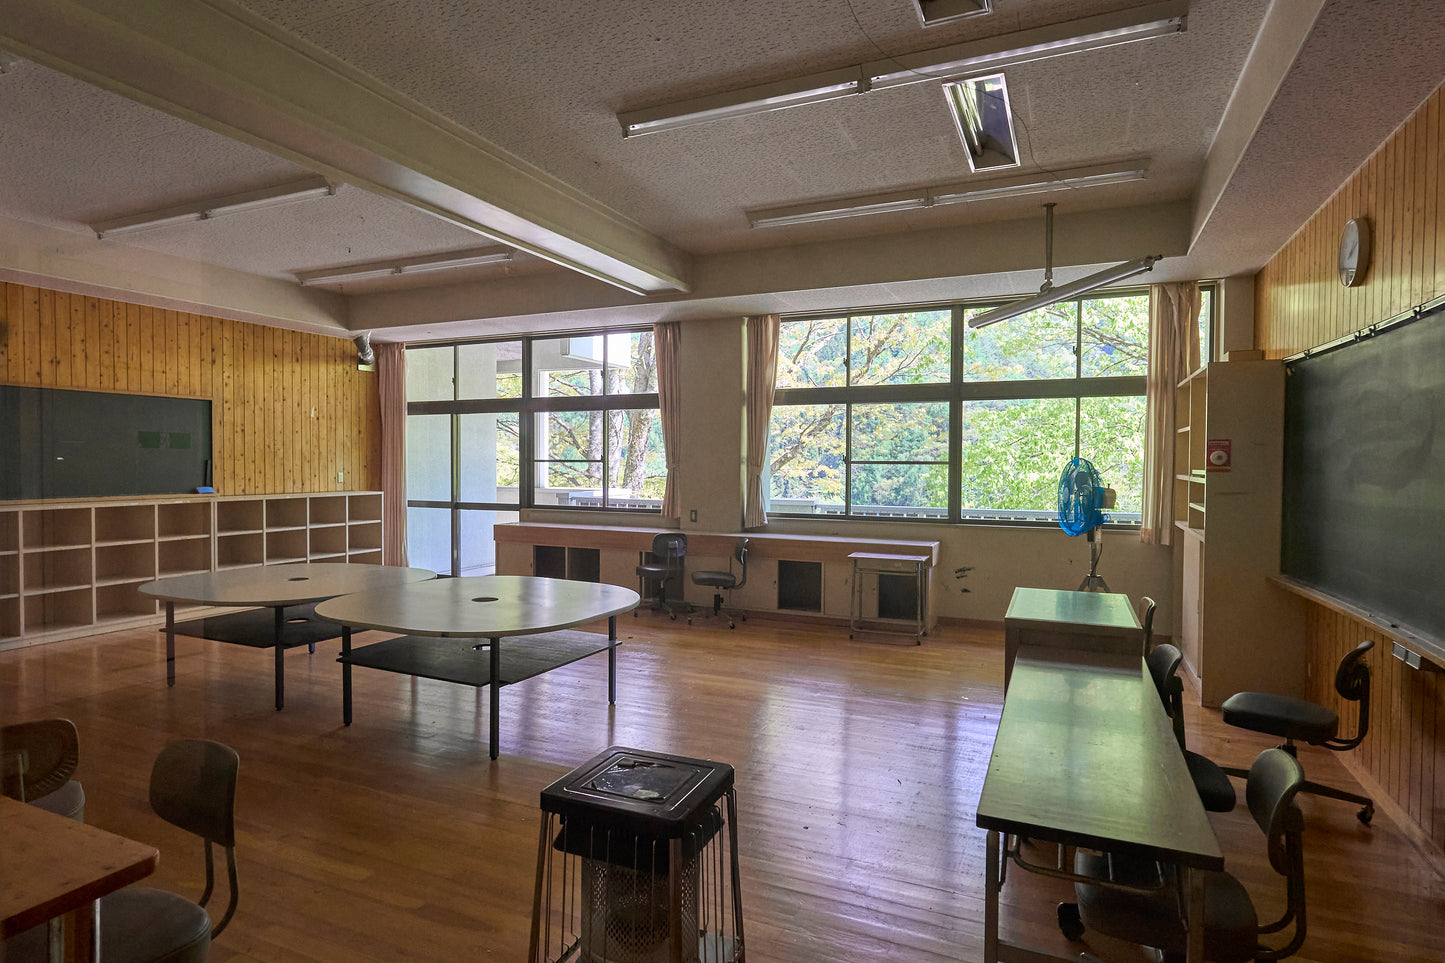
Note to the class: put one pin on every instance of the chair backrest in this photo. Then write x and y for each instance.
(740, 552)
(1352, 682)
(669, 548)
(37, 758)
(193, 786)
(1163, 663)
(1145, 611)
(1274, 780)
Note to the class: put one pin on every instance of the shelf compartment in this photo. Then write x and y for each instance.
(285, 513)
(369, 557)
(56, 527)
(125, 523)
(67, 609)
(240, 516)
(9, 618)
(9, 532)
(288, 545)
(121, 600)
(183, 556)
(9, 576)
(327, 510)
(179, 519)
(56, 567)
(239, 550)
(136, 562)
(328, 541)
(363, 536)
(364, 508)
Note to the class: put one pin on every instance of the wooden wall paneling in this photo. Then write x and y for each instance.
(9, 328)
(47, 334)
(30, 340)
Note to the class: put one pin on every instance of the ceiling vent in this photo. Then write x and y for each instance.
(934, 12)
(984, 120)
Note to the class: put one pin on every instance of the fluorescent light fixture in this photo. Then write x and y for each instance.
(984, 121)
(945, 63)
(1037, 182)
(1052, 295)
(812, 89)
(316, 186)
(418, 265)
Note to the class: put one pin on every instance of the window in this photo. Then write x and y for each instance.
(911, 414)
(533, 422)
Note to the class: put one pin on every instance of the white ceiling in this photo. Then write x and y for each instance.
(451, 122)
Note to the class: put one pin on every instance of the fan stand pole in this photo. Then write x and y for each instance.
(1093, 582)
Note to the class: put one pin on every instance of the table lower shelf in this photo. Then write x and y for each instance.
(467, 661)
(300, 625)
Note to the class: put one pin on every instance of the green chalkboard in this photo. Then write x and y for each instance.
(62, 443)
(1364, 474)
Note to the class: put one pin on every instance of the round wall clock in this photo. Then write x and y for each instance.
(1354, 251)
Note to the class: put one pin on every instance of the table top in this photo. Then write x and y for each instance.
(1085, 755)
(1105, 610)
(292, 584)
(53, 864)
(490, 606)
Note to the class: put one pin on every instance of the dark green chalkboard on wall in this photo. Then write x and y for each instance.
(61, 443)
(1364, 475)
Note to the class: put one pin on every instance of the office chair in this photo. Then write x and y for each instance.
(661, 565)
(1211, 781)
(193, 786)
(1310, 722)
(37, 760)
(726, 582)
(1144, 609)
(1150, 914)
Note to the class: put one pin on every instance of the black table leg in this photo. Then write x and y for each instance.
(345, 675)
(280, 665)
(611, 659)
(496, 647)
(170, 643)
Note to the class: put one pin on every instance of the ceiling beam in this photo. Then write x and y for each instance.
(216, 64)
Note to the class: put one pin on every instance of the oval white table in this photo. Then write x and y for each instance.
(490, 607)
(275, 587)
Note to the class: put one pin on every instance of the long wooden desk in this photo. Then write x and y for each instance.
(1069, 621)
(53, 866)
(1085, 756)
(490, 607)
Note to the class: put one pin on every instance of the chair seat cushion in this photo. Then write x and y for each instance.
(1280, 715)
(655, 571)
(1230, 924)
(716, 579)
(143, 925)
(68, 801)
(1216, 792)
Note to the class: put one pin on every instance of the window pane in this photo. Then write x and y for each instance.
(1111, 432)
(1039, 344)
(489, 458)
(811, 354)
(916, 433)
(429, 458)
(1206, 325)
(489, 370)
(478, 545)
(900, 349)
(429, 539)
(429, 374)
(807, 459)
(569, 456)
(567, 367)
(631, 363)
(1116, 336)
(637, 473)
(1013, 452)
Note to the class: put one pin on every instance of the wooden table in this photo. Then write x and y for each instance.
(1072, 621)
(53, 866)
(885, 563)
(490, 607)
(1085, 756)
(272, 586)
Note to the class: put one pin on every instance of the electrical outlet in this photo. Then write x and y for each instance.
(692, 515)
(341, 478)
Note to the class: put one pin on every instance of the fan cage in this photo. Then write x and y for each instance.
(607, 895)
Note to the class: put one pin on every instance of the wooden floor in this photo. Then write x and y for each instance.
(858, 767)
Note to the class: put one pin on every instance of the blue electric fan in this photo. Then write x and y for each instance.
(1082, 501)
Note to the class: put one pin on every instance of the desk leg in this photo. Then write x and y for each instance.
(345, 675)
(919, 601)
(494, 710)
(611, 659)
(280, 664)
(170, 643)
(990, 899)
(855, 602)
(1194, 950)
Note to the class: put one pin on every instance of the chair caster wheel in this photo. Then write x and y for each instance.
(1365, 814)
(689, 621)
(1069, 923)
(731, 625)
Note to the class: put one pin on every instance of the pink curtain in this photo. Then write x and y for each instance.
(762, 379)
(666, 337)
(391, 372)
(1173, 355)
